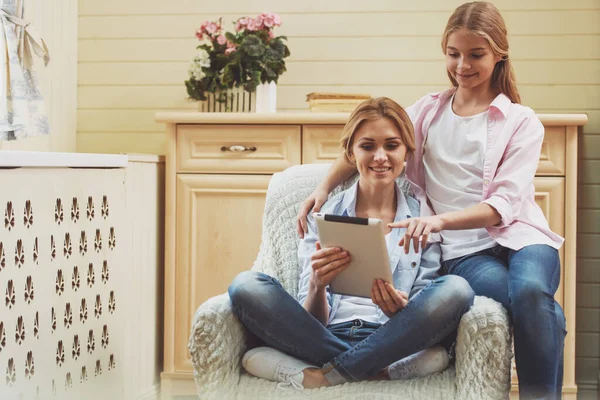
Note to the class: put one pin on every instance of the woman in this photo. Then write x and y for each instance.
(323, 339)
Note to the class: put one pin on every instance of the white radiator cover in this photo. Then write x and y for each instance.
(63, 276)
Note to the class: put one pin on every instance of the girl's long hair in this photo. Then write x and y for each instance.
(483, 19)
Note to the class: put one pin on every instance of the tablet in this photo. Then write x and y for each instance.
(364, 240)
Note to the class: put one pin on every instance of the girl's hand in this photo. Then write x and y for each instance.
(418, 229)
(327, 264)
(386, 297)
(314, 202)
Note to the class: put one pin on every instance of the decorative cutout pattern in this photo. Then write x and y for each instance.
(42, 317)
(75, 281)
(29, 366)
(10, 295)
(2, 337)
(59, 215)
(91, 344)
(60, 282)
(83, 243)
(83, 312)
(52, 248)
(112, 240)
(19, 254)
(68, 248)
(68, 381)
(29, 292)
(36, 325)
(75, 210)
(68, 316)
(36, 251)
(11, 375)
(9, 216)
(2, 257)
(91, 277)
(98, 307)
(111, 302)
(105, 336)
(83, 375)
(28, 215)
(76, 347)
(60, 354)
(104, 207)
(20, 331)
(105, 272)
(98, 241)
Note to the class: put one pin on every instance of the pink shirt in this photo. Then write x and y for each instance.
(514, 141)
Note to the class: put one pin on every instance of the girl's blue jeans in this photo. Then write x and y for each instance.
(524, 281)
(357, 349)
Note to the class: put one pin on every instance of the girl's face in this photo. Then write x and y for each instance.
(470, 59)
(378, 151)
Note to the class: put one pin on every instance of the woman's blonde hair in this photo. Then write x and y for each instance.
(483, 19)
(372, 110)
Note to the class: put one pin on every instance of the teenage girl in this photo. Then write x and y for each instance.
(476, 154)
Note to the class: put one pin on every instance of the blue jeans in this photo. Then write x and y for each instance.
(524, 281)
(276, 318)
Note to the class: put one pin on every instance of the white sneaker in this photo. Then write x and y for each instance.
(269, 363)
(423, 363)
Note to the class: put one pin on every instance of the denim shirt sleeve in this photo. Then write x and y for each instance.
(428, 270)
(306, 248)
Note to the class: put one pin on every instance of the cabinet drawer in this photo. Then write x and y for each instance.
(245, 149)
(321, 143)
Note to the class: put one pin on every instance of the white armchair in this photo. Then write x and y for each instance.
(218, 339)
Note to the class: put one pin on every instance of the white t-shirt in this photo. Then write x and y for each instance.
(453, 157)
(352, 307)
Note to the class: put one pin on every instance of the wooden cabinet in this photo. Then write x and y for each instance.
(217, 173)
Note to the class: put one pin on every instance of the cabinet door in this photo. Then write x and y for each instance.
(550, 196)
(219, 225)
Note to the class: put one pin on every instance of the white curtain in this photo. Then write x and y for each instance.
(22, 110)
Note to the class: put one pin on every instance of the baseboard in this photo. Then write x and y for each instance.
(152, 394)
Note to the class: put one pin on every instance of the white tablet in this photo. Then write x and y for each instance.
(364, 240)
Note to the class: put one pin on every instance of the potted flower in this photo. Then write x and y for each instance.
(247, 59)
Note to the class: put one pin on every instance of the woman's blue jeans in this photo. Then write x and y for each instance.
(524, 281)
(355, 350)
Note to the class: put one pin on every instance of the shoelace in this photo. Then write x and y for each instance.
(405, 370)
(287, 382)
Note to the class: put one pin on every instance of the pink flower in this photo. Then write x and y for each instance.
(270, 19)
(254, 24)
(221, 40)
(231, 47)
(271, 35)
(200, 34)
(241, 24)
(211, 28)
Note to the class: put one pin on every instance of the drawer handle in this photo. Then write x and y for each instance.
(236, 148)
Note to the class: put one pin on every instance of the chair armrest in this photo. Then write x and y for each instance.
(216, 346)
(484, 352)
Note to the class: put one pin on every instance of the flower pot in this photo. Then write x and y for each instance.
(266, 98)
(232, 100)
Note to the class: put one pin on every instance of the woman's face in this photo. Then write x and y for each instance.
(378, 151)
(470, 59)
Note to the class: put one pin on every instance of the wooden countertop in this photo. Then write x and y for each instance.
(194, 117)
